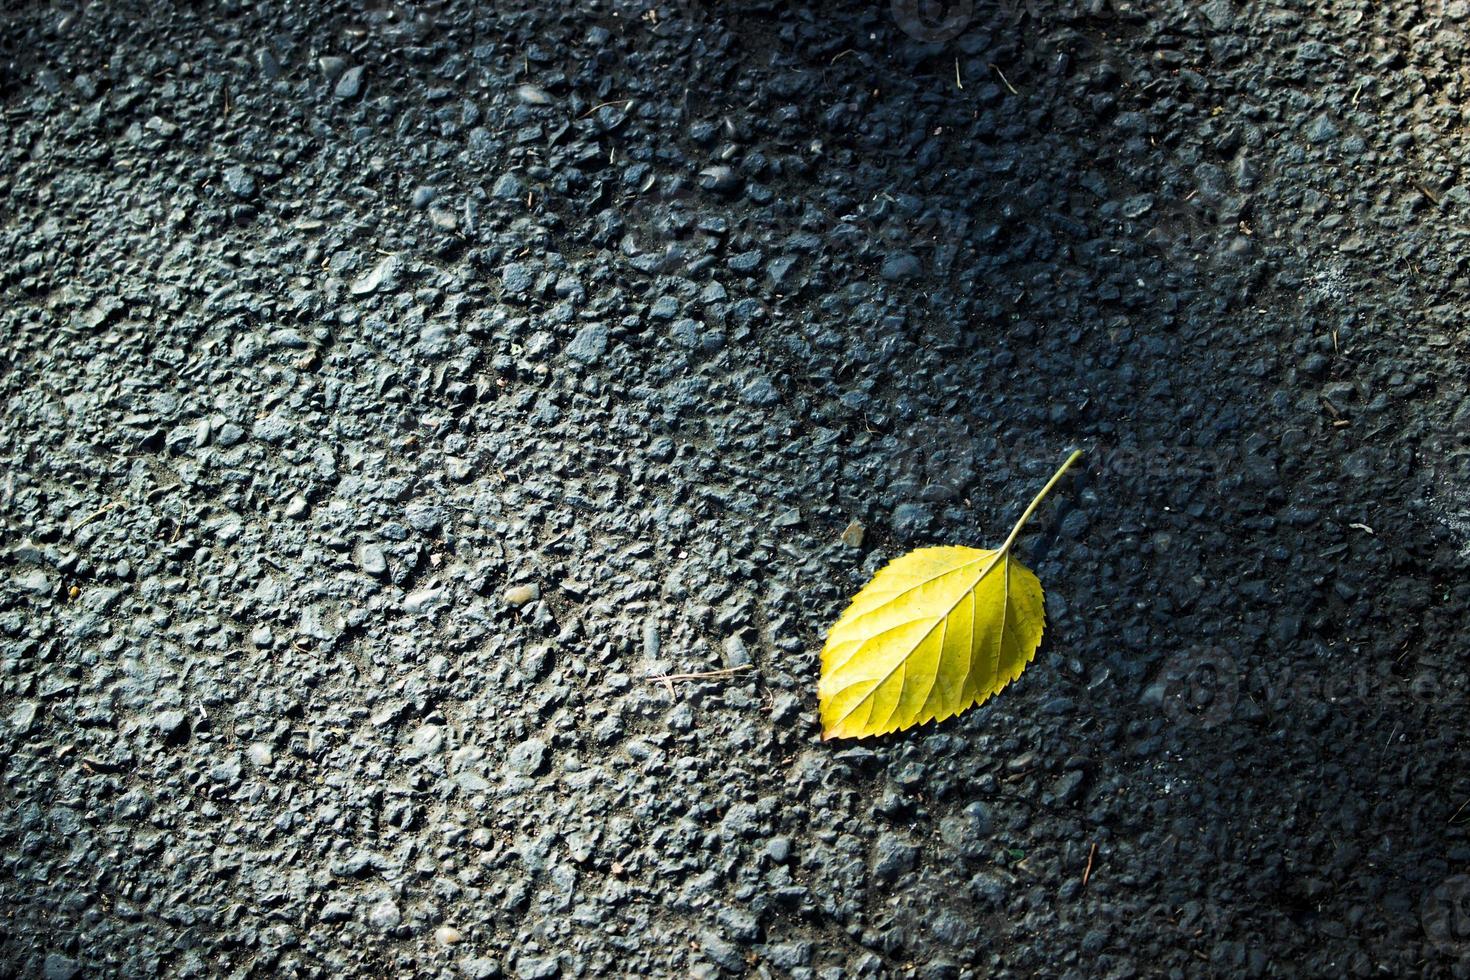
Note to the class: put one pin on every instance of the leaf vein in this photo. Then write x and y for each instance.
(868, 698)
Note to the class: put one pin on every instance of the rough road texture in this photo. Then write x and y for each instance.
(388, 394)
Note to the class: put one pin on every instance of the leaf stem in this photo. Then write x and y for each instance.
(1036, 501)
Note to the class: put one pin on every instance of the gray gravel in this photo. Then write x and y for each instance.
(389, 396)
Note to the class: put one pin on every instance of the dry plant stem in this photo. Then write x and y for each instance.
(1036, 502)
(701, 675)
(667, 680)
(94, 515)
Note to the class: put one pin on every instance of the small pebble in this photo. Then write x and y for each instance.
(456, 469)
(58, 967)
(34, 581)
(901, 266)
(719, 180)
(534, 95)
(371, 560)
(736, 653)
(171, 724)
(424, 600)
(590, 343)
(349, 84)
(528, 757)
(385, 273)
(520, 595)
(508, 187)
(23, 716)
(385, 916)
(239, 182)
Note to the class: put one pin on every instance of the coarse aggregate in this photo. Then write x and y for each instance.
(391, 393)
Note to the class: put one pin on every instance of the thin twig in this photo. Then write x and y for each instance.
(1003, 78)
(94, 515)
(1087, 871)
(667, 680)
(699, 675)
(604, 105)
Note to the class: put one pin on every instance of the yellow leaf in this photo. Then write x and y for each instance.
(935, 632)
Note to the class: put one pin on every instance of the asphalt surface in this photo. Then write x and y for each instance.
(390, 395)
